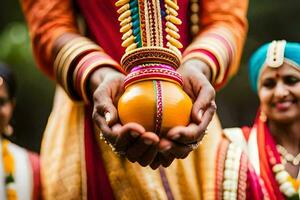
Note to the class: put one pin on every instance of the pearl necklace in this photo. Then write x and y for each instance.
(286, 156)
(286, 182)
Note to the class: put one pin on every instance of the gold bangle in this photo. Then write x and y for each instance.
(88, 70)
(68, 52)
(215, 52)
(70, 59)
(65, 48)
(206, 59)
(222, 51)
(83, 60)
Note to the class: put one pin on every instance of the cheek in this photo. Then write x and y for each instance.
(7, 112)
(264, 97)
(296, 91)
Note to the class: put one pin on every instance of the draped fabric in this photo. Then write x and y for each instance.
(69, 165)
(222, 23)
(257, 142)
(73, 167)
(26, 175)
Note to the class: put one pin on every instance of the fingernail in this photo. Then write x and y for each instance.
(175, 137)
(200, 114)
(166, 149)
(107, 117)
(134, 134)
(148, 142)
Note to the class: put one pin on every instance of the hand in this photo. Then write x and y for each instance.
(106, 85)
(196, 76)
(179, 140)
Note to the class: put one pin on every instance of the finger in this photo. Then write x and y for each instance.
(193, 132)
(167, 160)
(128, 134)
(149, 156)
(203, 101)
(104, 128)
(156, 162)
(186, 135)
(103, 105)
(207, 117)
(178, 150)
(140, 146)
(166, 157)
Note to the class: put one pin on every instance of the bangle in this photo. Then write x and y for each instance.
(66, 68)
(84, 59)
(206, 57)
(113, 149)
(147, 55)
(87, 68)
(64, 49)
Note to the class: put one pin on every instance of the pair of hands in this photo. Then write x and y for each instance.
(139, 145)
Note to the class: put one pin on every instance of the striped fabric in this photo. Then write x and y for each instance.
(217, 49)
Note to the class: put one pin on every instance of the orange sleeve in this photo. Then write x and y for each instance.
(47, 20)
(219, 43)
(77, 59)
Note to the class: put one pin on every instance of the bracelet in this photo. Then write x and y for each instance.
(113, 149)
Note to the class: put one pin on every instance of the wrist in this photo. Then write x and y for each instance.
(97, 77)
(200, 66)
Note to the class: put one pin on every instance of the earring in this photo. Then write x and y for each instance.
(263, 116)
(8, 130)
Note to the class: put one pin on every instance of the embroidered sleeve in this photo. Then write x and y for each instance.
(219, 42)
(77, 59)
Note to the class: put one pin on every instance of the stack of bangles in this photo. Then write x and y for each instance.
(153, 71)
(75, 62)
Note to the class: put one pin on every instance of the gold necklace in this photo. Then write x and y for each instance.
(288, 157)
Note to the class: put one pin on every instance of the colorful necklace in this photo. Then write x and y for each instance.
(286, 156)
(289, 186)
(9, 170)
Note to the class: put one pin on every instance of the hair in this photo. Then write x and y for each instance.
(9, 79)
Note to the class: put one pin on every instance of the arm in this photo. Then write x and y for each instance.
(219, 44)
(210, 60)
(58, 47)
(85, 72)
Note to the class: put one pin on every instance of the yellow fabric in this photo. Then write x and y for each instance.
(63, 163)
(62, 152)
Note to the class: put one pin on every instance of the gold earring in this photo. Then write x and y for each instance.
(263, 116)
(8, 130)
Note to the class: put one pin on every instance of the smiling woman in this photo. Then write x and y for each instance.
(273, 143)
(279, 92)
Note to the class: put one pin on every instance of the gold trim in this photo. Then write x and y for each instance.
(149, 55)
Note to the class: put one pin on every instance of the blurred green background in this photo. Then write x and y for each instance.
(237, 104)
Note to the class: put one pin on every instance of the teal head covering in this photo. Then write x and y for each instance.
(272, 55)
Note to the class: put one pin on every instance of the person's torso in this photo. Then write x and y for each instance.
(103, 26)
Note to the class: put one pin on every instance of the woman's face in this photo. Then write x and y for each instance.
(279, 93)
(6, 108)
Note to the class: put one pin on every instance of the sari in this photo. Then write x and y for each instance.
(259, 144)
(24, 180)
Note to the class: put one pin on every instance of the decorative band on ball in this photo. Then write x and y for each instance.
(150, 55)
(153, 73)
(159, 107)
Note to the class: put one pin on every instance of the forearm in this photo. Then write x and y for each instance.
(60, 51)
(47, 20)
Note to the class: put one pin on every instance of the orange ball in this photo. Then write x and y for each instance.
(139, 104)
